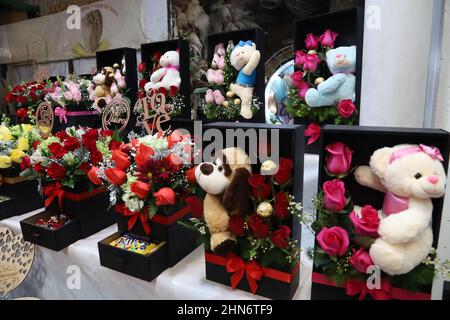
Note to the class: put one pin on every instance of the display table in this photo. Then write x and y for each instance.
(54, 275)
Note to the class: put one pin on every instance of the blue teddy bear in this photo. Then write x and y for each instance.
(341, 86)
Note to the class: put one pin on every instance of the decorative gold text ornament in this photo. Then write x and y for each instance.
(45, 118)
(155, 112)
(116, 115)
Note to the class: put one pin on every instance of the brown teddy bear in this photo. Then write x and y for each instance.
(103, 81)
(226, 183)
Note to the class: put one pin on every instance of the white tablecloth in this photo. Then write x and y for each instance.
(52, 272)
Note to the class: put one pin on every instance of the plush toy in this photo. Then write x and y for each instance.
(245, 58)
(226, 183)
(219, 57)
(341, 86)
(103, 81)
(168, 75)
(410, 175)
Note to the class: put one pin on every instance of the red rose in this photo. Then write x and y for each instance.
(71, 144)
(39, 168)
(334, 199)
(311, 62)
(106, 133)
(300, 58)
(164, 197)
(346, 108)
(62, 135)
(36, 144)
(281, 236)
(196, 205)
(33, 96)
(121, 159)
(258, 226)
(333, 241)
(115, 176)
(338, 159)
(57, 150)
(173, 91)
(142, 83)
(311, 41)
(56, 171)
(113, 145)
(141, 189)
(93, 176)
(156, 56)
(10, 98)
(281, 205)
(21, 99)
(297, 78)
(284, 174)
(313, 132)
(22, 113)
(328, 38)
(96, 157)
(361, 260)
(26, 163)
(89, 139)
(85, 167)
(236, 225)
(142, 67)
(367, 222)
(261, 189)
(190, 175)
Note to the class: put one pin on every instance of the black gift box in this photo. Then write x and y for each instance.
(147, 51)
(88, 211)
(349, 24)
(446, 294)
(259, 38)
(290, 141)
(20, 189)
(164, 227)
(7, 209)
(78, 115)
(364, 141)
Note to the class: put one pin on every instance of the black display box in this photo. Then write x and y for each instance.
(290, 138)
(258, 36)
(110, 57)
(364, 141)
(89, 213)
(23, 192)
(77, 116)
(349, 24)
(446, 293)
(147, 51)
(164, 227)
(7, 209)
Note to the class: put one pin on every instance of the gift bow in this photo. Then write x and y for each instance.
(52, 191)
(355, 287)
(62, 114)
(238, 267)
(134, 216)
(245, 43)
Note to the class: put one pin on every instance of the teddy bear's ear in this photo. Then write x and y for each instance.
(236, 197)
(379, 161)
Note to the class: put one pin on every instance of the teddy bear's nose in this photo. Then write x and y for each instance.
(433, 179)
(339, 56)
(206, 169)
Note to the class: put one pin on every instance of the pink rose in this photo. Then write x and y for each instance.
(303, 89)
(333, 241)
(313, 132)
(328, 39)
(311, 62)
(311, 41)
(299, 58)
(339, 158)
(360, 260)
(346, 108)
(297, 78)
(68, 96)
(334, 199)
(367, 222)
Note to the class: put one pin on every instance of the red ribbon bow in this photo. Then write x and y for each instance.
(52, 191)
(238, 267)
(355, 287)
(134, 216)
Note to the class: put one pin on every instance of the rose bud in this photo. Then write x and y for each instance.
(196, 205)
(93, 176)
(164, 197)
(361, 260)
(338, 159)
(116, 176)
(141, 189)
(121, 159)
(334, 199)
(190, 175)
(281, 236)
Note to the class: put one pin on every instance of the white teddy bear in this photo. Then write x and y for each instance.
(245, 58)
(410, 175)
(168, 75)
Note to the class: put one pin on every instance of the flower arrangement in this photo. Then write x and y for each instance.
(16, 142)
(312, 70)
(220, 103)
(150, 174)
(174, 97)
(25, 98)
(345, 235)
(66, 158)
(265, 236)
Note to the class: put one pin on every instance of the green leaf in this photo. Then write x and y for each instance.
(152, 209)
(364, 241)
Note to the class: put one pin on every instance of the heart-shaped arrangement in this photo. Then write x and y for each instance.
(16, 259)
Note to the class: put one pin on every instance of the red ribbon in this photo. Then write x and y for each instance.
(233, 262)
(358, 287)
(53, 191)
(238, 267)
(134, 216)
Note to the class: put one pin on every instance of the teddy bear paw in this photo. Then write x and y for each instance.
(387, 257)
(312, 97)
(397, 229)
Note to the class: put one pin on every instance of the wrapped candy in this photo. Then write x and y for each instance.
(134, 244)
(54, 223)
